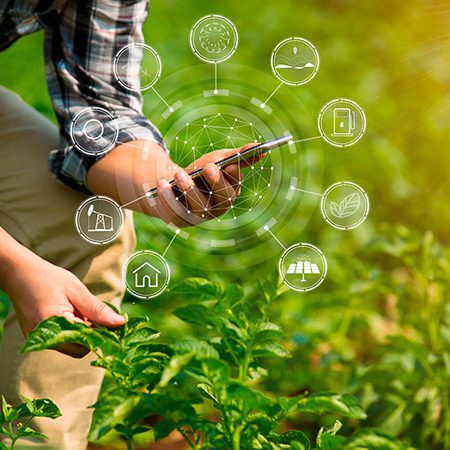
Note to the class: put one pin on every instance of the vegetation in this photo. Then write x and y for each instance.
(225, 370)
(378, 329)
(15, 420)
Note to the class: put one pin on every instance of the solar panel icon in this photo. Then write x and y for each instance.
(303, 268)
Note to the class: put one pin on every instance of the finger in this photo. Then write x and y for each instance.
(96, 311)
(234, 175)
(197, 203)
(223, 193)
(218, 155)
(172, 210)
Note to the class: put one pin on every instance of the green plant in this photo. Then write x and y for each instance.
(228, 365)
(131, 358)
(15, 420)
(223, 369)
(408, 386)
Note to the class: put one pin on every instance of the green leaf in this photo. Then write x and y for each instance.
(327, 431)
(199, 288)
(294, 436)
(233, 294)
(52, 332)
(153, 350)
(176, 364)
(29, 432)
(121, 428)
(200, 349)
(46, 408)
(29, 403)
(248, 398)
(270, 349)
(373, 440)
(404, 346)
(268, 331)
(42, 407)
(230, 329)
(330, 442)
(329, 403)
(196, 314)
(142, 335)
(264, 423)
(158, 404)
(207, 391)
(296, 445)
(5, 410)
(216, 370)
(113, 407)
(163, 428)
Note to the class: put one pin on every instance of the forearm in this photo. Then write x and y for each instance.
(129, 171)
(12, 256)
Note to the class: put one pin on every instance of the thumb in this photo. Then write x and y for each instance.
(97, 311)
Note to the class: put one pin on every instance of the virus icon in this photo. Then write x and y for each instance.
(214, 37)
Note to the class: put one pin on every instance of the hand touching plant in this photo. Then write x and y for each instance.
(149, 379)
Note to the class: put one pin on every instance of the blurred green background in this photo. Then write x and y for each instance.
(390, 277)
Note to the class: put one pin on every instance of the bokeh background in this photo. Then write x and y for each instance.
(379, 326)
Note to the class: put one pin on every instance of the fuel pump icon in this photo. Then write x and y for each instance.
(343, 122)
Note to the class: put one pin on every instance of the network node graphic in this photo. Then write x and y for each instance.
(94, 131)
(99, 220)
(137, 67)
(146, 274)
(295, 61)
(342, 122)
(345, 205)
(221, 131)
(211, 118)
(214, 39)
(302, 267)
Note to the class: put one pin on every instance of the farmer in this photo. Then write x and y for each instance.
(45, 267)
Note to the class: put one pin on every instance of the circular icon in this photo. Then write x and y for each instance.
(295, 61)
(345, 205)
(137, 67)
(214, 38)
(99, 220)
(342, 122)
(302, 267)
(94, 131)
(146, 274)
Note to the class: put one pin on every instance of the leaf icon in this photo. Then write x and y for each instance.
(347, 207)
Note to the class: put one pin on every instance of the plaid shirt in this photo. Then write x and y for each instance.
(82, 38)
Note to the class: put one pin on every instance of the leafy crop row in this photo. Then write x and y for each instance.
(207, 389)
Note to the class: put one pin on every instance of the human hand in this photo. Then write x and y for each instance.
(39, 290)
(195, 201)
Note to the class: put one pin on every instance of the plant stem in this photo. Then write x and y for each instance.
(13, 436)
(233, 355)
(243, 369)
(130, 445)
(186, 438)
(237, 438)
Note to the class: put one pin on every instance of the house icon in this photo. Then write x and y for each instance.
(146, 275)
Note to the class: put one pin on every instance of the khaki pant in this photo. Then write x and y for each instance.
(39, 212)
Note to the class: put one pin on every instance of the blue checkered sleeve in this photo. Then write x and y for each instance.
(82, 39)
